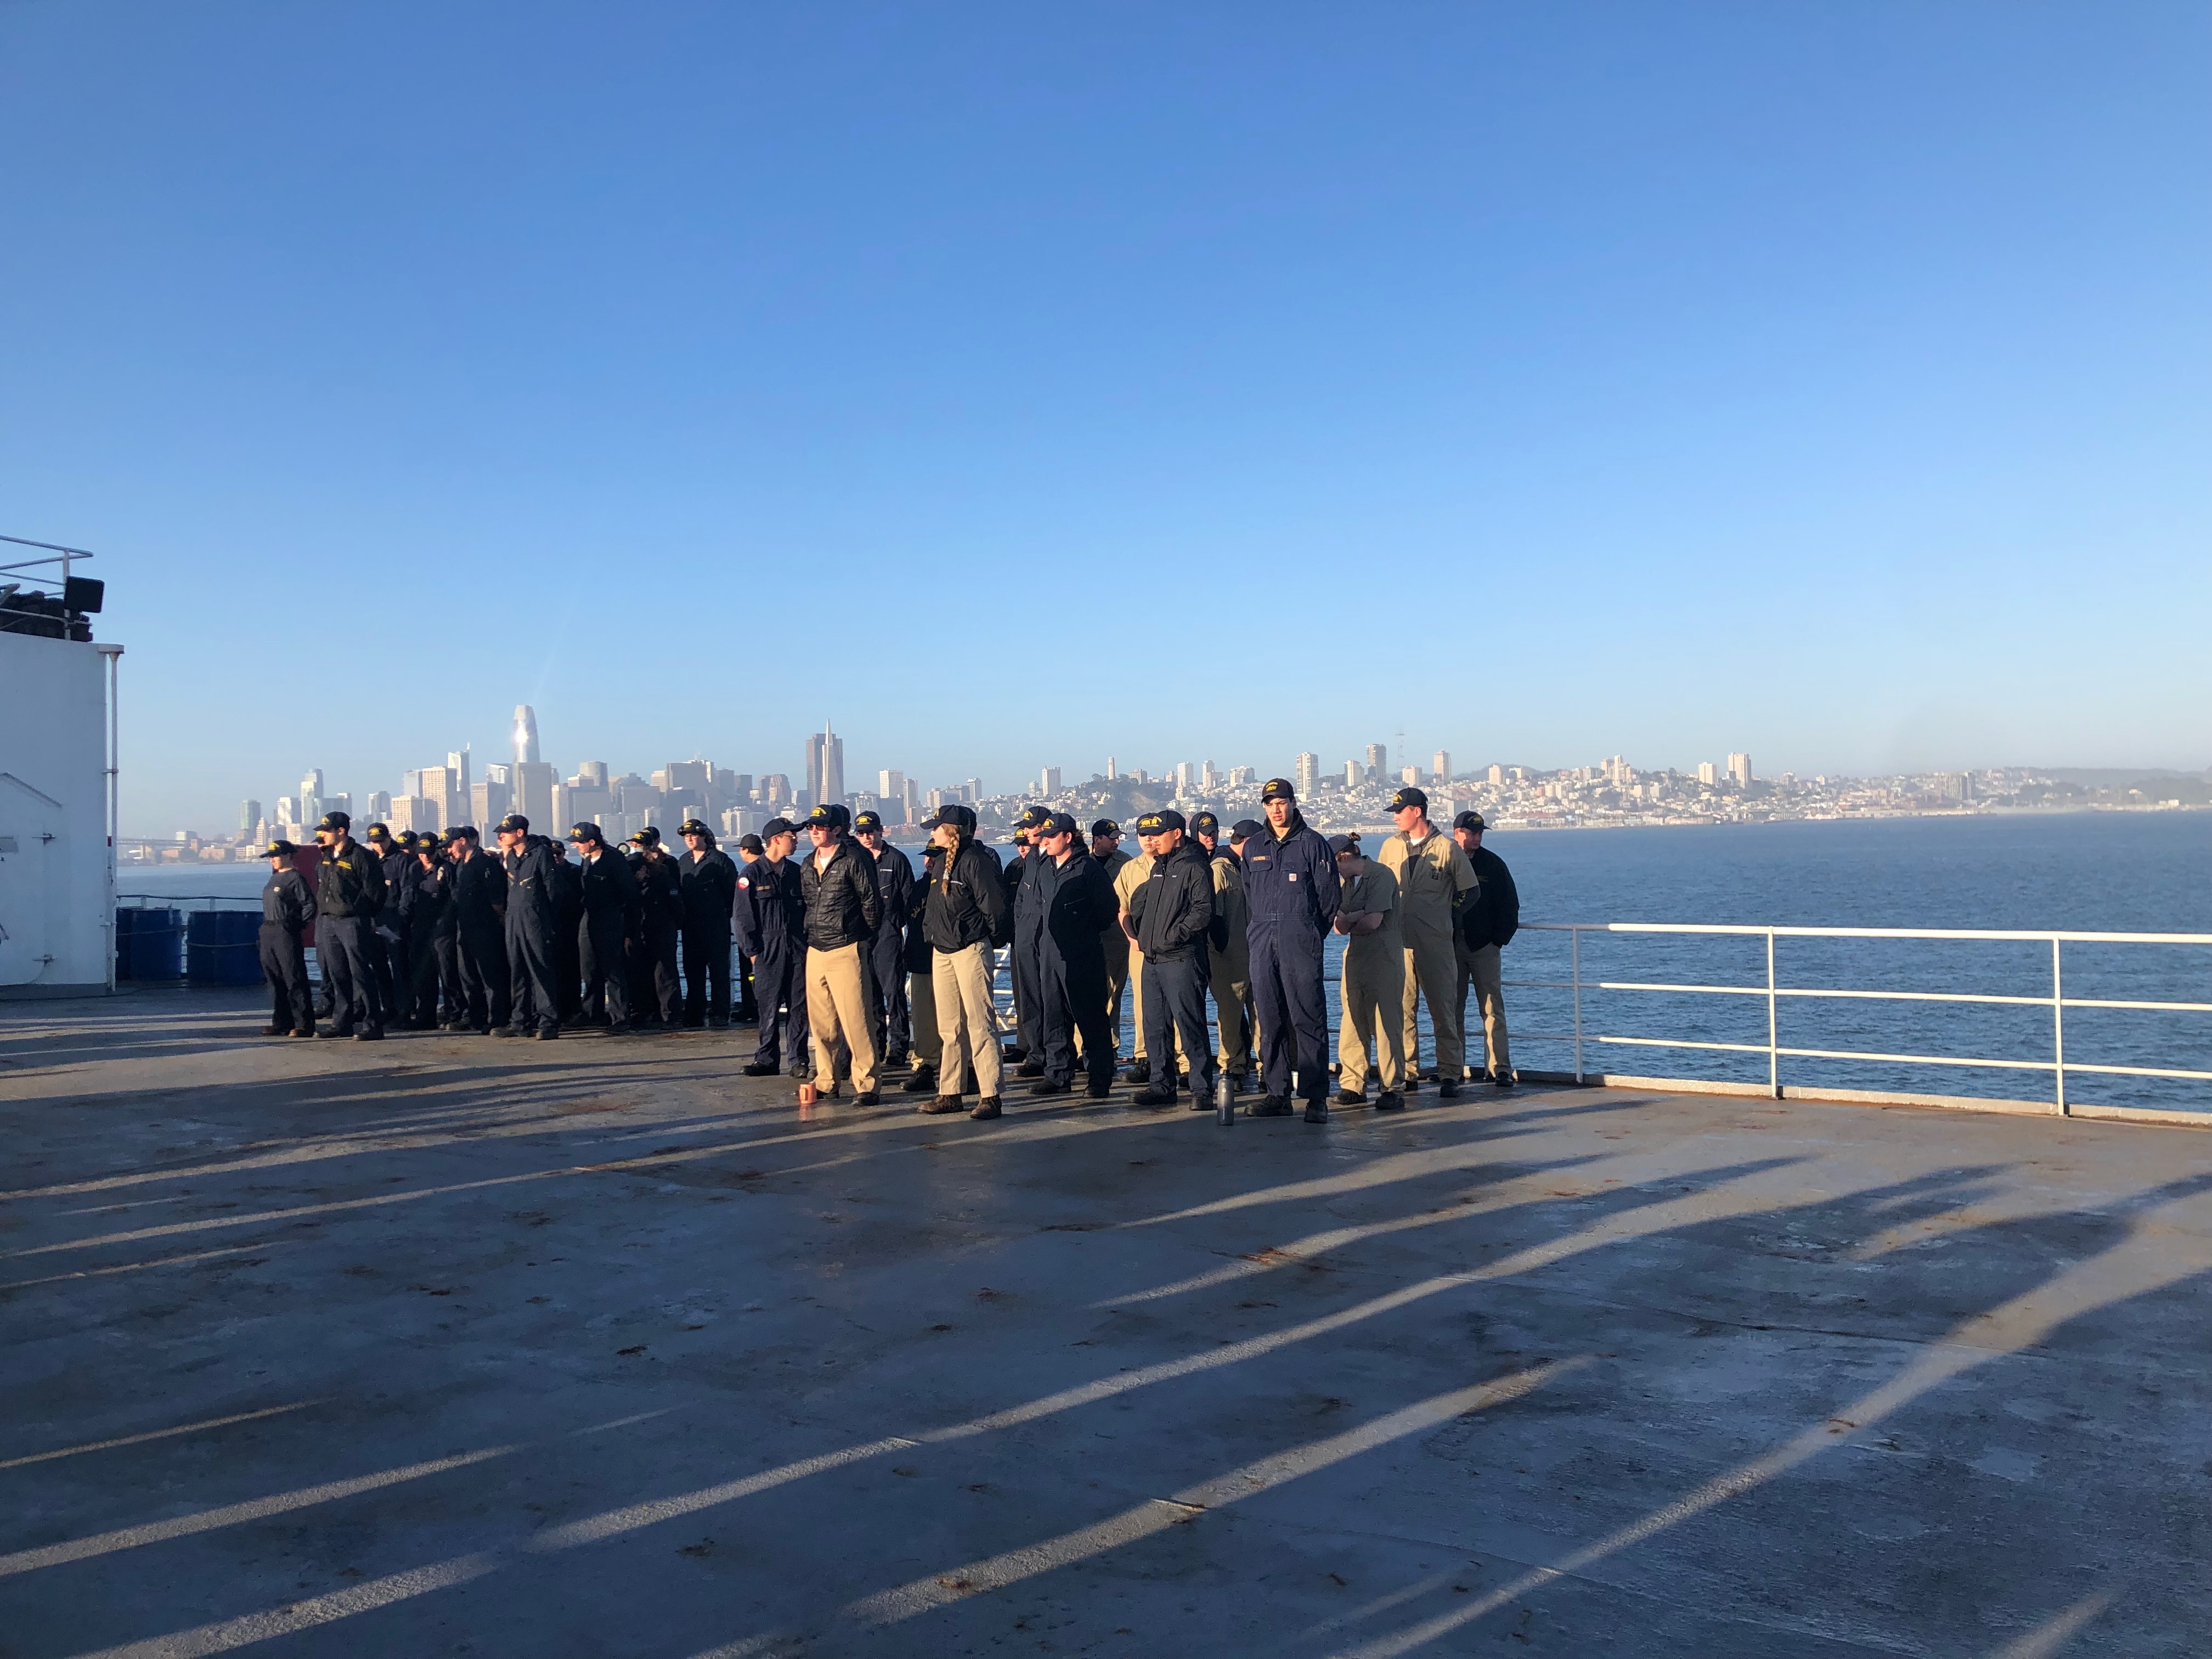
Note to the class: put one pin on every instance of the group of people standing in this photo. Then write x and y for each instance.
(853, 964)
(435, 932)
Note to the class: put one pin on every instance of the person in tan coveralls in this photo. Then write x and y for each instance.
(1432, 875)
(1374, 979)
(1133, 874)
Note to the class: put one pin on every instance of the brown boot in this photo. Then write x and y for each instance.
(940, 1107)
(986, 1107)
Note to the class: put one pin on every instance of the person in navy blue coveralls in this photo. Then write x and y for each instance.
(1290, 886)
(771, 919)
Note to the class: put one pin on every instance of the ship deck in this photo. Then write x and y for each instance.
(454, 1345)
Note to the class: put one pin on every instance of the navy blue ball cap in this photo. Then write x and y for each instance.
(512, 824)
(1276, 789)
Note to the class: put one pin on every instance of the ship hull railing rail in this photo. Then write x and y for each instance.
(1589, 995)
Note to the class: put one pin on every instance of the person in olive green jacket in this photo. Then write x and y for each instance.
(1373, 980)
(1433, 876)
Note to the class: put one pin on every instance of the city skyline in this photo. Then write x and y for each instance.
(734, 802)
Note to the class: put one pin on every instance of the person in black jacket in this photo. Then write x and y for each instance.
(1028, 1040)
(1488, 919)
(965, 918)
(710, 888)
(533, 926)
(656, 991)
(611, 911)
(747, 1013)
(568, 940)
(479, 884)
(920, 986)
(287, 908)
(770, 913)
(1075, 901)
(1169, 918)
(388, 939)
(349, 894)
(426, 913)
(889, 1022)
(838, 884)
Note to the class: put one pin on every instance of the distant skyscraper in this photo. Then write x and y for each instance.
(1440, 765)
(1496, 775)
(1354, 774)
(489, 801)
(1708, 774)
(249, 815)
(1740, 769)
(533, 794)
(892, 785)
(526, 734)
(457, 762)
(1209, 778)
(1049, 780)
(1309, 773)
(1378, 761)
(591, 774)
(825, 767)
(1186, 775)
(1409, 775)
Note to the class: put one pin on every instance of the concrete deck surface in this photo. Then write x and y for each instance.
(456, 1346)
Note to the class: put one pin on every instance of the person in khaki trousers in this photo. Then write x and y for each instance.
(1133, 874)
(1432, 874)
(1374, 979)
(965, 916)
(837, 884)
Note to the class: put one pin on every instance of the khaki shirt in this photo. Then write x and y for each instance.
(1373, 887)
(1429, 881)
(1229, 903)
(1127, 880)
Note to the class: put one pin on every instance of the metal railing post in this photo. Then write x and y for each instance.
(2058, 1031)
(1773, 1037)
(1574, 959)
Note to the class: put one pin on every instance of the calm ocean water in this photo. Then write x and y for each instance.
(2120, 873)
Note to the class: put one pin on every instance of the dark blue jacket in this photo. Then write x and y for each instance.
(894, 899)
(770, 912)
(1074, 905)
(479, 891)
(533, 887)
(1291, 884)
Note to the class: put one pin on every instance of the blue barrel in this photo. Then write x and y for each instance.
(222, 947)
(157, 944)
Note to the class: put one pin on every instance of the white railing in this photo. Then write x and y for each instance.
(1775, 994)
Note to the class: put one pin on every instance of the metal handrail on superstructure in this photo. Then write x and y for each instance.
(1775, 993)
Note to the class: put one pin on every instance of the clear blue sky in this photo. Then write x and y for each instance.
(1019, 384)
